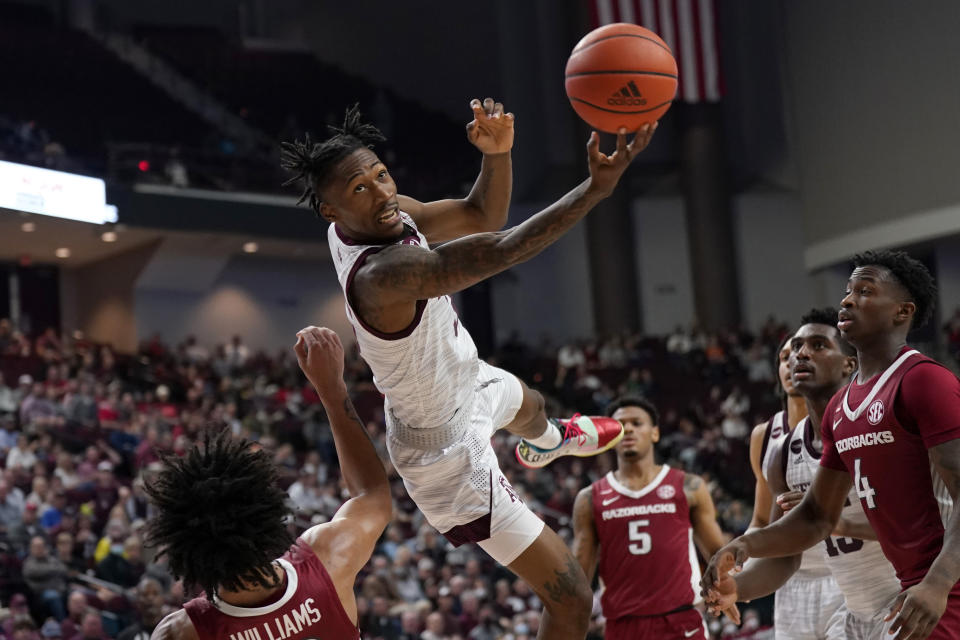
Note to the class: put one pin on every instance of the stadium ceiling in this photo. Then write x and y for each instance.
(86, 241)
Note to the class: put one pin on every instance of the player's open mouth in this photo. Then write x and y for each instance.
(389, 217)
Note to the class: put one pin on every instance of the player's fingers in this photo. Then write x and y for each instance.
(905, 622)
(622, 141)
(488, 105)
(476, 106)
(895, 609)
(733, 613)
(498, 110)
(593, 145)
(300, 348)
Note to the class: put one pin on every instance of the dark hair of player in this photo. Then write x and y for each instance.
(634, 401)
(828, 316)
(220, 515)
(910, 273)
(311, 162)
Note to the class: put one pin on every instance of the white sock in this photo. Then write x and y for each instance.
(549, 439)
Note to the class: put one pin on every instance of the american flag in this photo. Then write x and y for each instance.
(689, 28)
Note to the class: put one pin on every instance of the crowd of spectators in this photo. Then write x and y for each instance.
(25, 141)
(82, 429)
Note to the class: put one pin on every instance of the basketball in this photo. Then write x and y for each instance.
(621, 75)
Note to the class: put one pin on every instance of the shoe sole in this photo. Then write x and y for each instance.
(596, 452)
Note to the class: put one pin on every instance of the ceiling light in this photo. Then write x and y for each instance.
(63, 252)
(250, 247)
(28, 227)
(109, 236)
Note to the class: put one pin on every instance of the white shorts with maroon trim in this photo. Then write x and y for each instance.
(454, 477)
(809, 608)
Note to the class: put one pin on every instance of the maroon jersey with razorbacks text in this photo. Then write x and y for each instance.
(647, 560)
(309, 608)
(879, 432)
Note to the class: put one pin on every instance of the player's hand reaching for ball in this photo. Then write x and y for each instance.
(320, 356)
(491, 130)
(605, 171)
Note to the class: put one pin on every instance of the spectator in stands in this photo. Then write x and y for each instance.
(80, 406)
(22, 455)
(23, 628)
(112, 542)
(11, 506)
(51, 629)
(149, 605)
(8, 404)
(52, 516)
(91, 628)
(67, 552)
(21, 533)
(176, 171)
(236, 353)
(46, 577)
(123, 566)
(76, 608)
(66, 471)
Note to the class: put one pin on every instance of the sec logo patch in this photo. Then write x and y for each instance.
(875, 412)
(666, 492)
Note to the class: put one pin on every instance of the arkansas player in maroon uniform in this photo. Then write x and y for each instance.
(222, 523)
(893, 433)
(638, 524)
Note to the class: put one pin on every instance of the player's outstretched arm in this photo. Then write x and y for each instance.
(585, 541)
(485, 207)
(345, 543)
(765, 575)
(402, 274)
(806, 525)
(761, 494)
(919, 608)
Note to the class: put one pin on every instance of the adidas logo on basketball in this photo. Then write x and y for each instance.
(629, 94)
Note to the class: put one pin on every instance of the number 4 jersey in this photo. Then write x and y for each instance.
(865, 577)
(647, 561)
(879, 433)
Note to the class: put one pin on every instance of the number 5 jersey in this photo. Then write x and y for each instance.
(647, 561)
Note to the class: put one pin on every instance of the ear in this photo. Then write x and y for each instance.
(655, 434)
(906, 312)
(327, 212)
(849, 366)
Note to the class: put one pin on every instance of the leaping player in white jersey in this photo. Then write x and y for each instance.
(853, 604)
(442, 403)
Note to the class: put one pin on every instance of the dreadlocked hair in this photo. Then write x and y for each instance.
(828, 316)
(910, 273)
(220, 515)
(311, 162)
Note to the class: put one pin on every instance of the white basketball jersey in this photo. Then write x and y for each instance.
(865, 576)
(777, 430)
(799, 476)
(428, 371)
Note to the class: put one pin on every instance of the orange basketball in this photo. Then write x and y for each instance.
(621, 75)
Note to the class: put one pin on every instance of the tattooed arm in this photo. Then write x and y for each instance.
(703, 515)
(345, 543)
(390, 282)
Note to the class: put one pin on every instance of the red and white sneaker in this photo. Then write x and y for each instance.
(583, 436)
